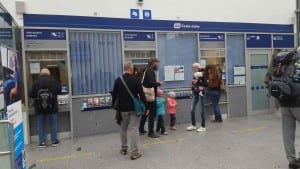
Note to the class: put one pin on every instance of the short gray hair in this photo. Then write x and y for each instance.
(128, 66)
(45, 72)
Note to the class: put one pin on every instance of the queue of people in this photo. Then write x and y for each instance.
(205, 81)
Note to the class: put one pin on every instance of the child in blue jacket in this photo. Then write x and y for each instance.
(161, 111)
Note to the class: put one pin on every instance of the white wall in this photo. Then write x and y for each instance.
(256, 11)
(10, 6)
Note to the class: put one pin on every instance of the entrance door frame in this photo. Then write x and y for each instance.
(248, 79)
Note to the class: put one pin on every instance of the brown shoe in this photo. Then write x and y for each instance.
(123, 151)
(136, 155)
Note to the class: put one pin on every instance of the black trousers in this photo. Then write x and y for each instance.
(173, 120)
(160, 124)
(151, 118)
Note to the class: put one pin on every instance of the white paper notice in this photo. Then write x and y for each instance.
(202, 63)
(169, 73)
(239, 70)
(179, 73)
(239, 80)
(35, 68)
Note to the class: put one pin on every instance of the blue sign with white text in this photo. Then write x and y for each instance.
(147, 14)
(6, 33)
(259, 41)
(283, 41)
(134, 13)
(44, 34)
(139, 36)
(36, 20)
(212, 37)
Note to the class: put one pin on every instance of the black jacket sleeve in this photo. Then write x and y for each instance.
(114, 93)
(150, 74)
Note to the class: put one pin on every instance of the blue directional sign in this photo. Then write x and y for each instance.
(44, 34)
(147, 14)
(134, 13)
(212, 37)
(139, 36)
(259, 41)
(283, 41)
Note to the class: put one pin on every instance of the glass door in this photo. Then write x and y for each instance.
(258, 100)
(5, 156)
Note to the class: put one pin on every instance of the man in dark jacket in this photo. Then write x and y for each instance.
(45, 91)
(290, 109)
(149, 81)
(126, 107)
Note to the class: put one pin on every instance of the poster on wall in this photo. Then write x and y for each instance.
(10, 79)
(174, 73)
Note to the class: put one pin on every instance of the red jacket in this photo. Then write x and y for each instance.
(171, 105)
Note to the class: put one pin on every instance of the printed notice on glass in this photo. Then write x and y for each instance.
(178, 73)
(239, 70)
(202, 63)
(169, 73)
(239, 80)
(174, 73)
(35, 68)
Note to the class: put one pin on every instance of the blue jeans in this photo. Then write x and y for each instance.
(195, 101)
(41, 120)
(215, 99)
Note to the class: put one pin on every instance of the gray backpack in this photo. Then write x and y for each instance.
(285, 77)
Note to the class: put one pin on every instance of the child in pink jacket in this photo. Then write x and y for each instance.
(171, 109)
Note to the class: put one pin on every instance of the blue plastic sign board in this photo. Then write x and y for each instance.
(212, 37)
(36, 20)
(44, 34)
(6, 33)
(139, 36)
(147, 14)
(259, 41)
(134, 13)
(283, 41)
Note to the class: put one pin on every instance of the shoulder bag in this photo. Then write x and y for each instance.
(138, 104)
(149, 92)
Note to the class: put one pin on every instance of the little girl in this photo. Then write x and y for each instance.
(161, 111)
(171, 108)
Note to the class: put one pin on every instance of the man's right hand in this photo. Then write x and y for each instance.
(161, 83)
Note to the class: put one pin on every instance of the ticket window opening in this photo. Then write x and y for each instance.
(58, 70)
(214, 57)
(139, 60)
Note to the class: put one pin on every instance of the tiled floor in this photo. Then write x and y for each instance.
(253, 142)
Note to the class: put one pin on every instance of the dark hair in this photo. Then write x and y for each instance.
(153, 60)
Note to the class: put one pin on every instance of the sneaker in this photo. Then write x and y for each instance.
(173, 128)
(153, 135)
(164, 133)
(143, 132)
(136, 156)
(294, 165)
(56, 143)
(201, 129)
(191, 128)
(43, 145)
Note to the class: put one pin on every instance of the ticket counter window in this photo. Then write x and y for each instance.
(139, 60)
(214, 57)
(56, 63)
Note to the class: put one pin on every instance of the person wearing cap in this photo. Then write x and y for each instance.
(149, 81)
(198, 83)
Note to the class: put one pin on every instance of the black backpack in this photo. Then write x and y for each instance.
(44, 100)
(285, 76)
